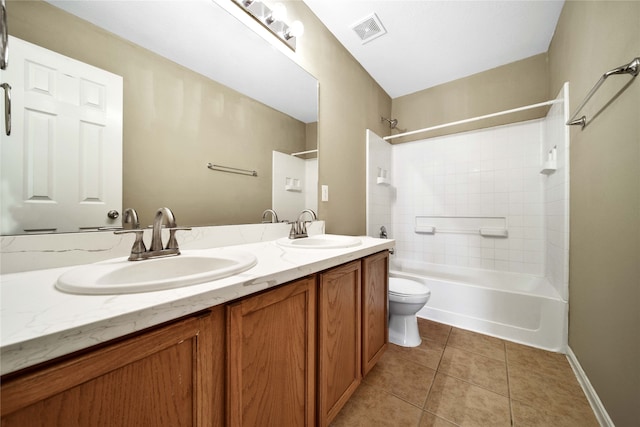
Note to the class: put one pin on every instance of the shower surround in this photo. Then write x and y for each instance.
(488, 173)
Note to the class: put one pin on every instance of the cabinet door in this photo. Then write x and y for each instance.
(271, 364)
(164, 377)
(339, 332)
(375, 286)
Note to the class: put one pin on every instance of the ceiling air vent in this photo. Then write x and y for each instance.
(369, 28)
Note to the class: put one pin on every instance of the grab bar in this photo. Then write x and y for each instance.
(4, 37)
(231, 170)
(632, 68)
(7, 107)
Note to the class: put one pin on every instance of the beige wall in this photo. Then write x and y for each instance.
(604, 283)
(350, 102)
(175, 121)
(503, 88)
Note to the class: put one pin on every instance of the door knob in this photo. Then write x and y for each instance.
(113, 214)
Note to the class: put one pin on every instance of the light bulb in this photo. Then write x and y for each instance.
(296, 29)
(278, 13)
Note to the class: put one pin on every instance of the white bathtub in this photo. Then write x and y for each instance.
(517, 307)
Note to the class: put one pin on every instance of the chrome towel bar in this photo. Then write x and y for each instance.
(231, 170)
(632, 68)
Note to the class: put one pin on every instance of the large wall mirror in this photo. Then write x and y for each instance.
(199, 87)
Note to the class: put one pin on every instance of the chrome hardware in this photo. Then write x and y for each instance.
(231, 170)
(274, 216)
(157, 250)
(299, 227)
(4, 38)
(383, 235)
(7, 107)
(632, 68)
(113, 214)
(130, 216)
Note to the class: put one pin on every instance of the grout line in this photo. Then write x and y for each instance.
(506, 361)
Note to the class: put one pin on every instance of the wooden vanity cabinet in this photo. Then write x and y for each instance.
(170, 376)
(288, 356)
(271, 364)
(375, 309)
(352, 329)
(339, 334)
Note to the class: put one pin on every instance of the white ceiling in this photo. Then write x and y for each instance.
(430, 42)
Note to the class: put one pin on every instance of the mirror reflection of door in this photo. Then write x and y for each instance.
(66, 135)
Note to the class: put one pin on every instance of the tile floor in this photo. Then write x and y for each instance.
(462, 378)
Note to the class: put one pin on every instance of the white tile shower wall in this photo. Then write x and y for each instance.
(287, 204)
(379, 196)
(490, 172)
(556, 134)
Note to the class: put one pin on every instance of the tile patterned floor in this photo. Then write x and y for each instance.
(461, 378)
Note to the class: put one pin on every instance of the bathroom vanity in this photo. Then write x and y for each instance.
(284, 343)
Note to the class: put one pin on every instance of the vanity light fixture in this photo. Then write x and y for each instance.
(273, 19)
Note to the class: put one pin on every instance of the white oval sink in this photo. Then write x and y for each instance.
(120, 276)
(321, 241)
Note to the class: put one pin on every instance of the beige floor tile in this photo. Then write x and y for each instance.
(427, 354)
(369, 406)
(465, 404)
(527, 416)
(431, 420)
(477, 343)
(545, 362)
(475, 368)
(461, 378)
(553, 393)
(434, 331)
(403, 378)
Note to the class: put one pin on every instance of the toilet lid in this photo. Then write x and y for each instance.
(402, 286)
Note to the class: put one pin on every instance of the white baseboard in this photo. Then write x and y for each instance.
(589, 391)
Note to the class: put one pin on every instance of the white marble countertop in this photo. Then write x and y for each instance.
(40, 322)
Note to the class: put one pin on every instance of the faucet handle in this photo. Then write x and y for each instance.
(138, 247)
(173, 242)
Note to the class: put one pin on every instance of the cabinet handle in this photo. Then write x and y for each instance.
(7, 107)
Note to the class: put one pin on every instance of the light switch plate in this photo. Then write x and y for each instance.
(325, 193)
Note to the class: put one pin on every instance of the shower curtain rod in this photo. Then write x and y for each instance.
(473, 119)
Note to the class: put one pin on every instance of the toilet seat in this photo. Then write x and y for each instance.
(407, 288)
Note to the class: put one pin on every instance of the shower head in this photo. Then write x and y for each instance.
(392, 122)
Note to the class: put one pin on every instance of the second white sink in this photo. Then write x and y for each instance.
(120, 276)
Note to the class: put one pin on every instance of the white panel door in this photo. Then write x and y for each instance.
(62, 163)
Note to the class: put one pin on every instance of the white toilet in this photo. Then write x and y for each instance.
(406, 298)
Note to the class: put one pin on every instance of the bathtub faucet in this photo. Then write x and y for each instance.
(383, 235)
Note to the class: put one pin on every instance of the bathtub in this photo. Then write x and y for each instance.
(522, 308)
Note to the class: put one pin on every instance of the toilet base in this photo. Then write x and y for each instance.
(403, 330)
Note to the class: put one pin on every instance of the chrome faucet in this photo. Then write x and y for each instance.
(274, 216)
(163, 214)
(383, 235)
(138, 250)
(130, 216)
(299, 227)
